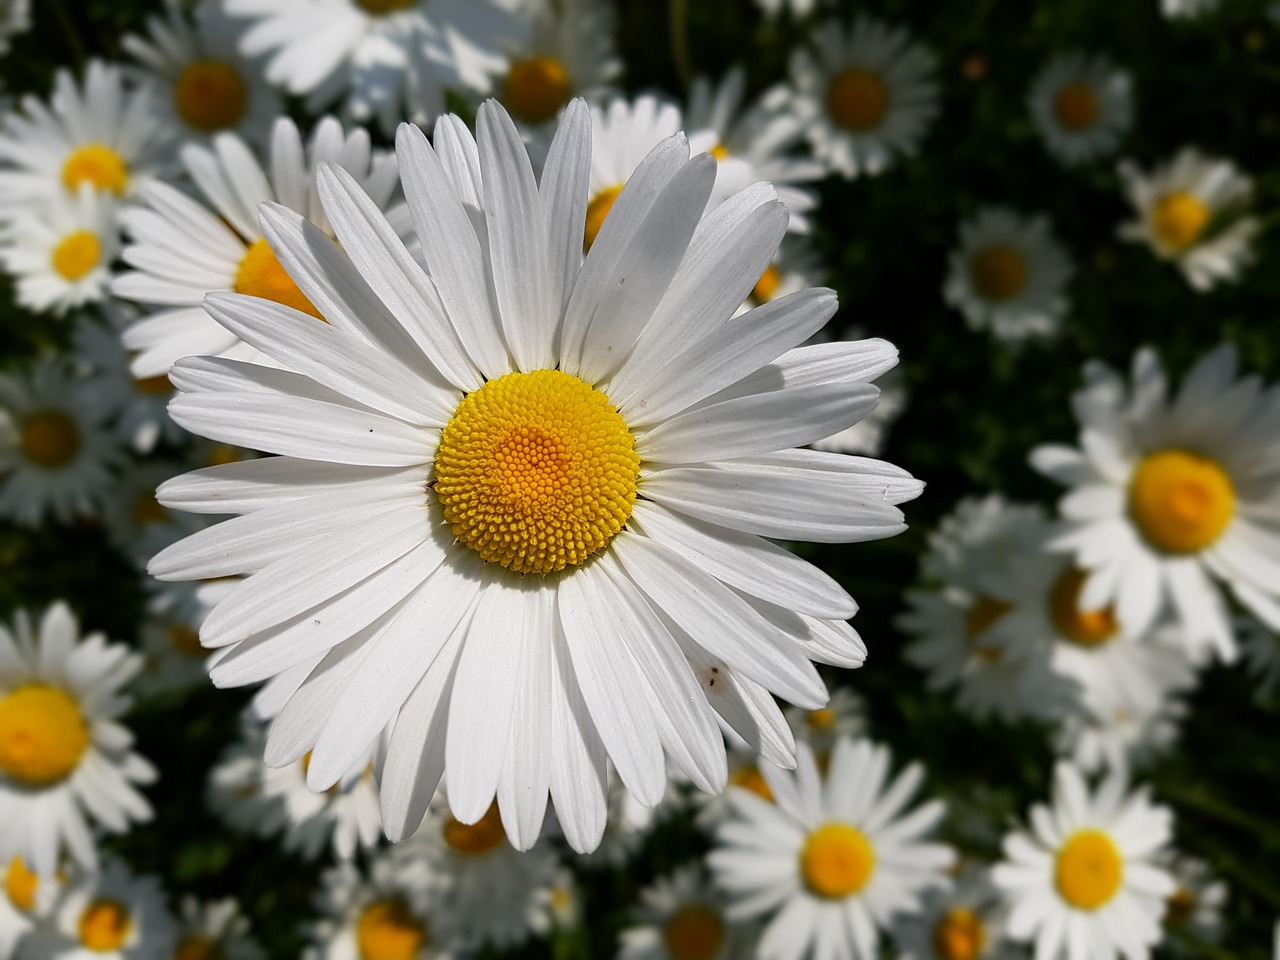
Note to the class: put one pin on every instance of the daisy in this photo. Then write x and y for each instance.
(634, 405)
(15, 18)
(843, 716)
(173, 658)
(1085, 882)
(56, 458)
(214, 930)
(744, 771)
(1261, 649)
(867, 99)
(564, 901)
(963, 922)
(1118, 737)
(60, 253)
(1170, 494)
(25, 901)
(1009, 275)
(182, 249)
(627, 823)
(1192, 211)
(1082, 104)
(798, 8)
(137, 524)
(682, 917)
(202, 85)
(1185, 9)
(1196, 904)
(795, 267)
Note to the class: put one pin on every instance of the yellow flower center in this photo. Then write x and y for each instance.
(980, 618)
(379, 7)
(1178, 219)
(837, 860)
(388, 930)
(154, 386)
(999, 272)
(222, 454)
(766, 287)
(43, 734)
(857, 99)
(823, 719)
(481, 837)
(750, 778)
(536, 88)
(199, 947)
(1076, 107)
(104, 925)
(1089, 628)
(261, 275)
(98, 165)
(1089, 869)
(694, 932)
(597, 210)
(211, 95)
(1179, 907)
(536, 471)
(186, 641)
(959, 935)
(76, 254)
(21, 885)
(147, 510)
(1181, 501)
(50, 439)
(719, 151)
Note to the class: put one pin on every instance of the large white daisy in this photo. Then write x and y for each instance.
(543, 445)
(1082, 104)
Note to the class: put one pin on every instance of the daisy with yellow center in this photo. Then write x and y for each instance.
(965, 921)
(384, 912)
(680, 916)
(1088, 873)
(1082, 105)
(843, 716)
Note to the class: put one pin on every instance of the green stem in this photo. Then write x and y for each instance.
(678, 15)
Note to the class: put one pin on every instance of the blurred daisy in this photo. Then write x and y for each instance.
(173, 658)
(1196, 904)
(202, 85)
(136, 522)
(1175, 9)
(1117, 737)
(1009, 275)
(1086, 880)
(963, 922)
(867, 437)
(214, 930)
(744, 772)
(1192, 211)
(564, 901)
(25, 901)
(843, 716)
(1261, 648)
(678, 613)
(60, 253)
(1082, 104)
(1169, 494)
(682, 917)
(182, 249)
(794, 267)
(798, 8)
(15, 18)
(867, 99)
(829, 863)
(233, 791)
(627, 823)
(382, 913)
(56, 458)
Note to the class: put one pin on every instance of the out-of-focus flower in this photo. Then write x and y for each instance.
(963, 922)
(1082, 104)
(60, 252)
(15, 18)
(1261, 648)
(843, 716)
(681, 916)
(1195, 906)
(214, 930)
(1185, 9)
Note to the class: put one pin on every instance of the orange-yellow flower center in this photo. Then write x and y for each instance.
(1180, 907)
(388, 930)
(481, 837)
(379, 7)
(822, 719)
(97, 165)
(1089, 869)
(536, 88)
(105, 925)
(959, 935)
(43, 734)
(982, 615)
(75, 255)
(999, 272)
(1076, 107)
(766, 287)
(21, 884)
(597, 210)
(837, 860)
(1181, 501)
(858, 99)
(261, 275)
(50, 439)
(148, 510)
(694, 932)
(185, 641)
(719, 151)
(536, 471)
(154, 386)
(1089, 628)
(199, 947)
(749, 777)
(211, 95)
(1178, 219)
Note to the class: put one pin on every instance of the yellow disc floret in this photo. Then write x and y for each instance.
(766, 287)
(388, 930)
(20, 884)
(597, 210)
(536, 471)
(858, 99)
(749, 777)
(1178, 219)
(105, 925)
(1076, 107)
(1088, 628)
(261, 275)
(159, 386)
(210, 95)
(43, 734)
(999, 272)
(536, 88)
(481, 837)
(97, 165)
(837, 860)
(1089, 869)
(379, 7)
(1181, 501)
(50, 439)
(959, 935)
(199, 947)
(694, 932)
(76, 255)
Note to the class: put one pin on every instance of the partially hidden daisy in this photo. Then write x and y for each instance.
(1187, 9)
(964, 921)
(681, 916)
(843, 716)
(1082, 104)
(214, 930)
(15, 19)
(1086, 880)
(1260, 646)
(540, 440)
(26, 899)
(827, 864)
(867, 437)
(1195, 907)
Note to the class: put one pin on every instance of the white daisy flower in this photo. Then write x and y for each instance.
(963, 922)
(564, 901)
(138, 524)
(15, 18)
(1082, 104)
(202, 85)
(56, 457)
(843, 716)
(1118, 737)
(1085, 882)
(797, 8)
(867, 99)
(829, 862)
(26, 900)
(387, 60)
(182, 249)
(233, 791)
(634, 397)
(795, 267)
(1170, 494)
(1192, 211)
(60, 252)
(744, 771)
(1009, 275)
(682, 917)
(1186, 9)
(1261, 648)
(173, 658)
(214, 930)
(1195, 906)
(628, 823)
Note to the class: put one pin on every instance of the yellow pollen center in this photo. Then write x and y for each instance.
(199, 947)
(1088, 628)
(750, 778)
(823, 719)
(149, 510)
(959, 935)
(980, 618)
(186, 641)
(1178, 219)
(1089, 869)
(154, 386)
(1076, 107)
(388, 930)
(261, 275)
(211, 95)
(1181, 501)
(21, 884)
(719, 151)
(222, 454)
(766, 287)
(104, 925)
(536, 471)
(43, 734)
(857, 99)
(999, 272)
(597, 210)
(694, 932)
(97, 165)
(475, 839)
(379, 7)
(1179, 907)
(50, 439)
(837, 860)
(536, 88)
(76, 255)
